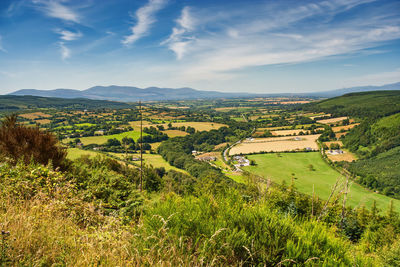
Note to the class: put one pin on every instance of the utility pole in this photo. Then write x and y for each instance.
(141, 146)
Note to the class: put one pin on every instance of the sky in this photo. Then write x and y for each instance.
(255, 46)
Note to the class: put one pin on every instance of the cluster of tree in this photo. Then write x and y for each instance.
(381, 172)
(155, 135)
(327, 135)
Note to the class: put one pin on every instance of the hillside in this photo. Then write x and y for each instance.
(94, 212)
(13, 102)
(339, 92)
(381, 172)
(364, 104)
(376, 140)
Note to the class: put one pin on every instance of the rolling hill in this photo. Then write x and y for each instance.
(376, 140)
(131, 94)
(13, 102)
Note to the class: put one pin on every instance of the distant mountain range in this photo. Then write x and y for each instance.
(132, 94)
(339, 92)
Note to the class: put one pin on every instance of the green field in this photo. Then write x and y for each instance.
(151, 159)
(74, 153)
(101, 139)
(280, 168)
(86, 124)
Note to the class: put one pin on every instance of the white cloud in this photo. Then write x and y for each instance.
(273, 34)
(186, 21)
(181, 37)
(65, 51)
(55, 9)
(1, 46)
(145, 18)
(68, 35)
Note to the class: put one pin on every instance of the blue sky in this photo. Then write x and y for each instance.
(237, 46)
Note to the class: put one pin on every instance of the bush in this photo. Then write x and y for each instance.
(22, 142)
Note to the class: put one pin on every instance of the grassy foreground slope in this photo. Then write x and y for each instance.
(323, 177)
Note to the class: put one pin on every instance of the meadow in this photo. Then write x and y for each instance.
(199, 126)
(332, 120)
(101, 139)
(323, 177)
(75, 153)
(154, 160)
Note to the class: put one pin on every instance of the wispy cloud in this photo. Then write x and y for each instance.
(145, 17)
(56, 9)
(65, 51)
(68, 35)
(181, 37)
(273, 35)
(1, 46)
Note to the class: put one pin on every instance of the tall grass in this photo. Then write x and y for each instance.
(53, 225)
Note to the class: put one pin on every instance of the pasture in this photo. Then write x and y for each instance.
(345, 127)
(276, 144)
(102, 139)
(150, 159)
(34, 115)
(43, 121)
(199, 126)
(287, 132)
(75, 153)
(174, 133)
(346, 156)
(323, 177)
(332, 120)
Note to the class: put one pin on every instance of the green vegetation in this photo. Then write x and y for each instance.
(281, 167)
(12, 103)
(375, 141)
(96, 211)
(365, 104)
(75, 153)
(102, 139)
(380, 172)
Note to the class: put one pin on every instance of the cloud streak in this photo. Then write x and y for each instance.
(68, 35)
(65, 51)
(145, 17)
(55, 9)
(1, 46)
(181, 36)
(272, 35)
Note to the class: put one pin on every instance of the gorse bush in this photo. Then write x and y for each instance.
(30, 143)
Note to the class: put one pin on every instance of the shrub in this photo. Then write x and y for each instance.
(22, 142)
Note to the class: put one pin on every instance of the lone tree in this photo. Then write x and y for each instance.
(18, 141)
